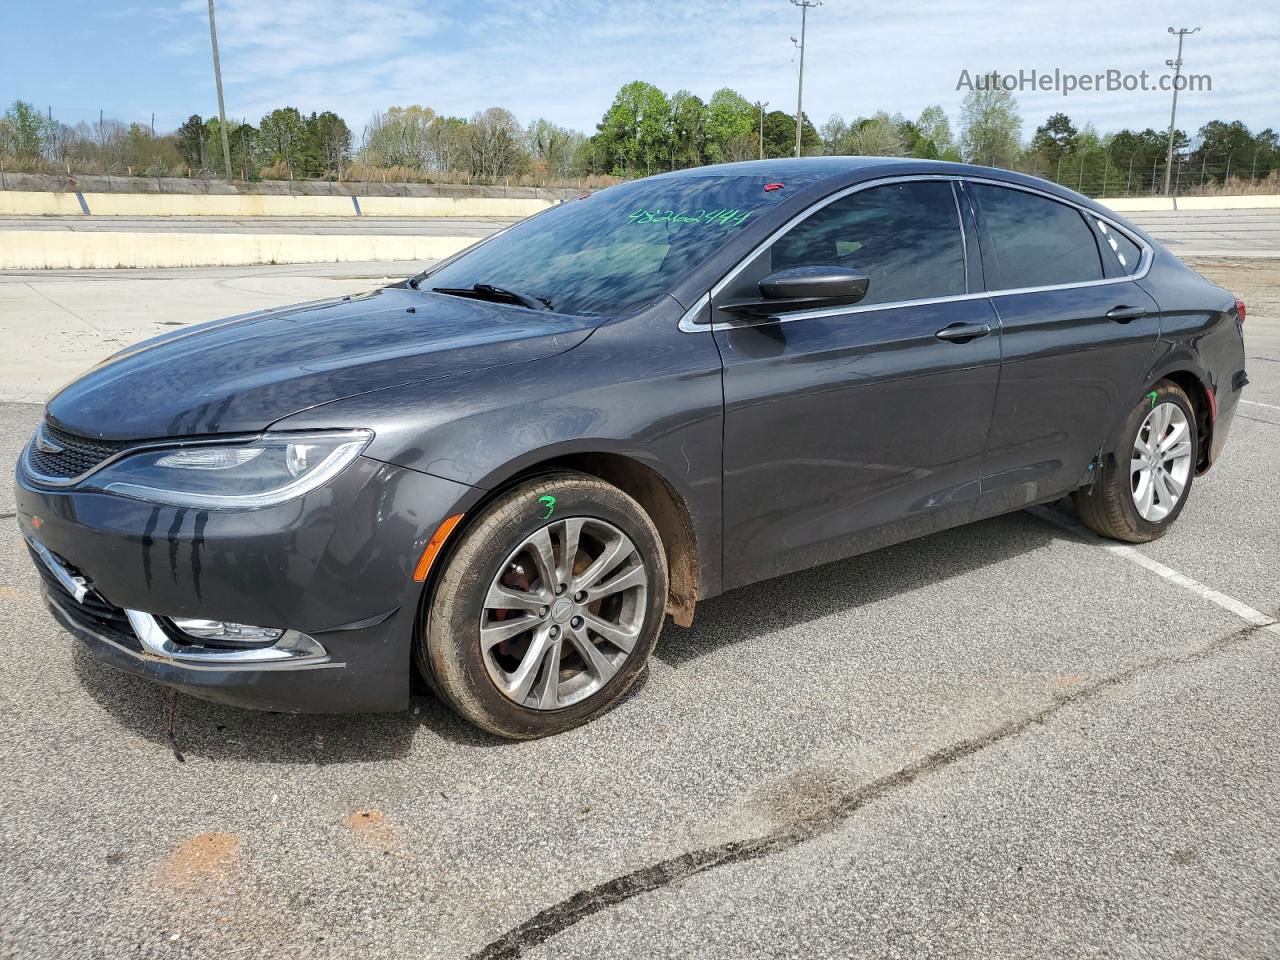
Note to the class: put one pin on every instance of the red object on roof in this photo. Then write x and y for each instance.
(773, 186)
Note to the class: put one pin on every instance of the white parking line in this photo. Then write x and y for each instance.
(1255, 403)
(1230, 604)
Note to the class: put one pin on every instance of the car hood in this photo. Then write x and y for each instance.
(242, 374)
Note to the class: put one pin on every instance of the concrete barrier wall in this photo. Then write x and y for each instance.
(1142, 204)
(25, 203)
(58, 250)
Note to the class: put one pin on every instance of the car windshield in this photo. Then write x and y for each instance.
(618, 248)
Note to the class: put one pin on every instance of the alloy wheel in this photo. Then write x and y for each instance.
(1160, 465)
(563, 613)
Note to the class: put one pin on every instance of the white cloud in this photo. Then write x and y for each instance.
(565, 60)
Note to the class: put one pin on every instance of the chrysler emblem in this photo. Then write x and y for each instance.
(44, 444)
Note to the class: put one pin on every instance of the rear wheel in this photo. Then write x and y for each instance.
(1146, 480)
(548, 609)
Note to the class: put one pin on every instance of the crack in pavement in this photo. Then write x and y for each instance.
(559, 917)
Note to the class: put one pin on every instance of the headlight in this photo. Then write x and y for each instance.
(225, 475)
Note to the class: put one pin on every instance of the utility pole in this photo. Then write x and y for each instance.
(217, 78)
(804, 6)
(1173, 114)
(762, 105)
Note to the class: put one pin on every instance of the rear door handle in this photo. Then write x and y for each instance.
(1123, 314)
(963, 332)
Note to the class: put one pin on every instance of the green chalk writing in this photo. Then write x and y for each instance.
(550, 503)
(725, 216)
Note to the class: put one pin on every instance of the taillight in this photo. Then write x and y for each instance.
(1240, 311)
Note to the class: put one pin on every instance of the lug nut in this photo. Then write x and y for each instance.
(542, 611)
(576, 622)
(555, 632)
(579, 596)
(559, 589)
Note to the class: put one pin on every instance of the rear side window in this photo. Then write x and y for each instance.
(904, 236)
(1128, 253)
(1038, 242)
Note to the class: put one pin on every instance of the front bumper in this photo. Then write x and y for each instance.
(335, 565)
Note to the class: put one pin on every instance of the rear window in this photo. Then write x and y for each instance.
(1038, 242)
(621, 247)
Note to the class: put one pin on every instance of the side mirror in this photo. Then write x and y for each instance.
(803, 288)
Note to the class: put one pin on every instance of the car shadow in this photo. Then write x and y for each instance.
(763, 608)
(215, 731)
(212, 731)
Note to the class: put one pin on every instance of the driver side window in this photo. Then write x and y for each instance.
(905, 237)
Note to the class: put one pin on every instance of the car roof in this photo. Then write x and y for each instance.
(828, 172)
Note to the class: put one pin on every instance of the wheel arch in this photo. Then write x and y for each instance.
(1200, 393)
(656, 494)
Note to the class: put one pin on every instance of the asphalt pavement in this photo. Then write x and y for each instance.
(1006, 740)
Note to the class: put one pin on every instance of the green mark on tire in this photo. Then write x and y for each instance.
(1154, 395)
(550, 503)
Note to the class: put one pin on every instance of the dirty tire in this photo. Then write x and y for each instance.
(1108, 505)
(448, 649)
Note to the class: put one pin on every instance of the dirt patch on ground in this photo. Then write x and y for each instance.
(1255, 281)
(206, 856)
(806, 796)
(372, 827)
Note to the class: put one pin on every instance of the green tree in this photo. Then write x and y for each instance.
(327, 144)
(934, 131)
(875, 136)
(25, 128)
(1139, 157)
(495, 147)
(833, 133)
(1054, 141)
(990, 126)
(281, 135)
(688, 130)
(780, 135)
(1229, 149)
(731, 119)
(551, 148)
(635, 129)
(190, 141)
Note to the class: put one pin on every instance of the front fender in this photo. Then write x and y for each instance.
(637, 388)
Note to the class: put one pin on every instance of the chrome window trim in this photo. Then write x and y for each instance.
(687, 325)
(688, 322)
(964, 240)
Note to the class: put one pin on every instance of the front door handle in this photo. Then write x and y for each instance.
(963, 332)
(1123, 314)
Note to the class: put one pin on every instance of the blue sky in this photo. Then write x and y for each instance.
(565, 60)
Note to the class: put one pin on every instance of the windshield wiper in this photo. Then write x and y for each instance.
(487, 291)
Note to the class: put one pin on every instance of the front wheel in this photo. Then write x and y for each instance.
(548, 609)
(1147, 479)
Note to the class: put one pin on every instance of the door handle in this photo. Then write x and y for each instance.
(1123, 314)
(963, 332)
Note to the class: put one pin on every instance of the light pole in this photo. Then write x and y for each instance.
(1173, 114)
(217, 78)
(804, 6)
(762, 104)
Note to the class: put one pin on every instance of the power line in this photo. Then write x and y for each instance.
(1173, 114)
(804, 6)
